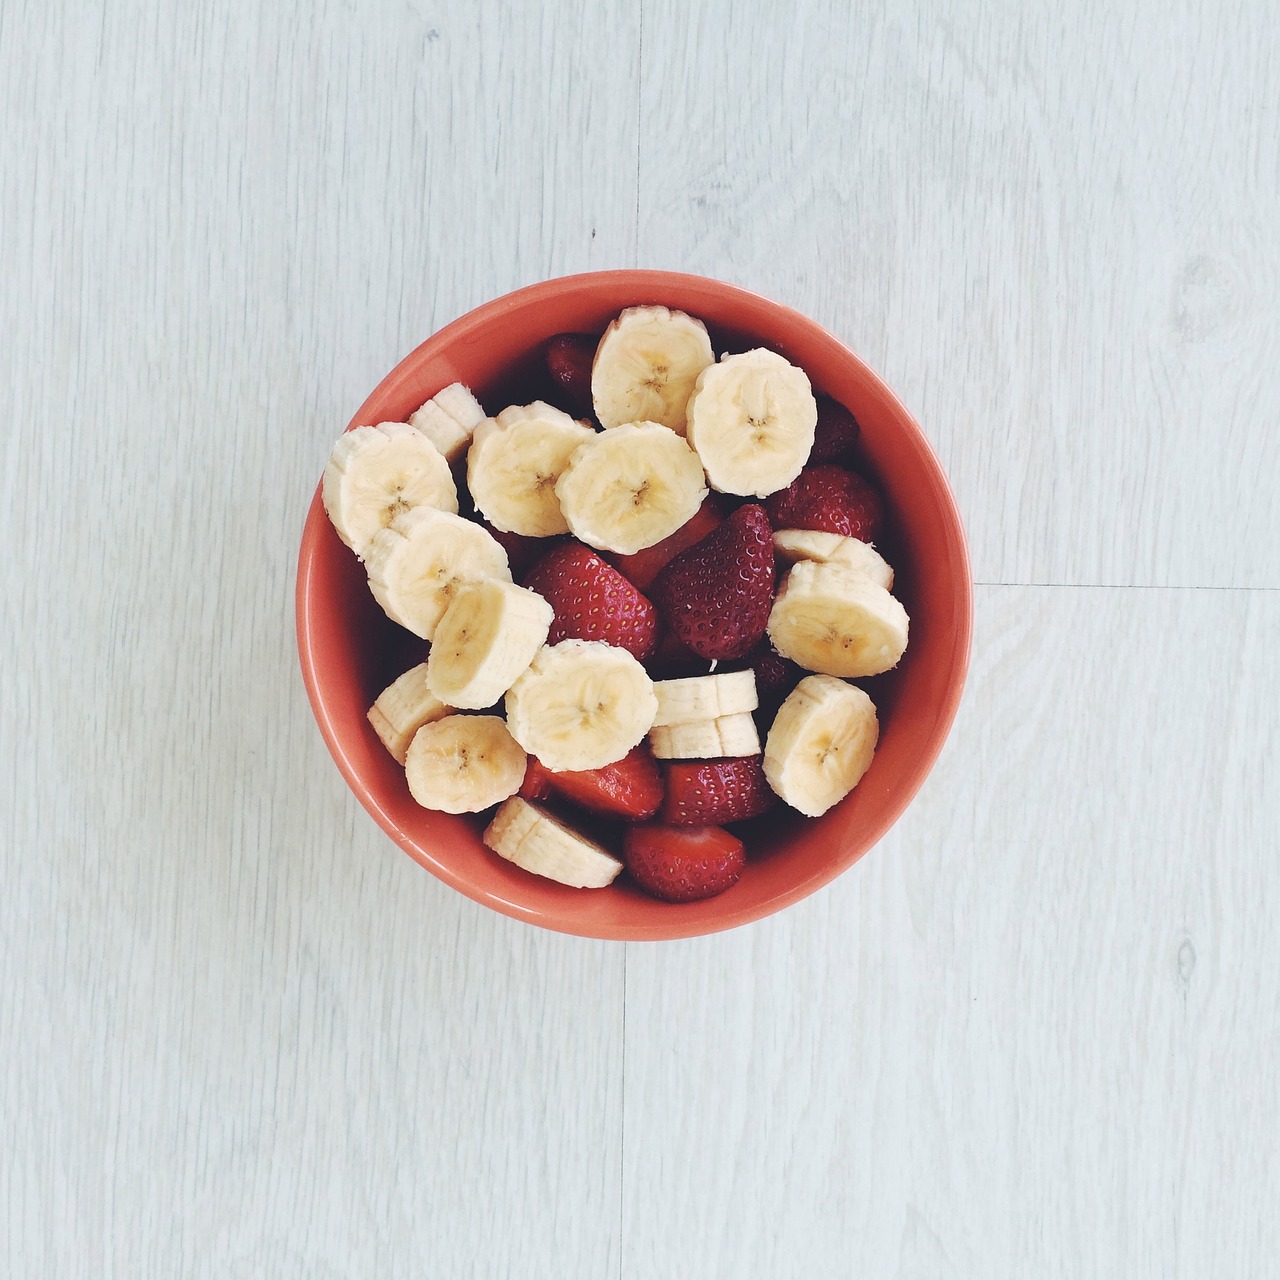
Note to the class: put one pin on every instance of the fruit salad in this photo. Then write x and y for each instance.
(646, 604)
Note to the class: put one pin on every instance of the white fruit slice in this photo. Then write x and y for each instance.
(751, 419)
(705, 697)
(833, 548)
(832, 619)
(646, 365)
(514, 462)
(629, 487)
(376, 473)
(581, 704)
(448, 419)
(402, 708)
(486, 637)
(731, 735)
(820, 744)
(462, 764)
(418, 562)
(531, 838)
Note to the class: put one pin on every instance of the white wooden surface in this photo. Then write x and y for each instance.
(1035, 1033)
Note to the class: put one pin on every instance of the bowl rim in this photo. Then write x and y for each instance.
(682, 924)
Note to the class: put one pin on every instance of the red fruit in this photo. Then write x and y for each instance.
(716, 595)
(521, 550)
(682, 864)
(831, 498)
(643, 566)
(774, 673)
(703, 793)
(569, 360)
(836, 433)
(628, 788)
(593, 601)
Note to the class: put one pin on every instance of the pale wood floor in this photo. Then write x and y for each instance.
(1036, 1033)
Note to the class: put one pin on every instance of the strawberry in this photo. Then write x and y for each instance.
(836, 433)
(643, 566)
(703, 793)
(569, 358)
(776, 676)
(831, 498)
(682, 864)
(521, 550)
(628, 788)
(593, 601)
(716, 595)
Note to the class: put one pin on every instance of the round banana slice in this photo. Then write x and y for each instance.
(402, 708)
(514, 462)
(831, 619)
(534, 840)
(721, 736)
(448, 419)
(833, 548)
(631, 486)
(581, 704)
(694, 698)
(462, 764)
(376, 473)
(820, 744)
(417, 563)
(486, 637)
(751, 419)
(646, 365)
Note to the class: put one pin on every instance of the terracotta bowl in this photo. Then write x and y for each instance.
(350, 651)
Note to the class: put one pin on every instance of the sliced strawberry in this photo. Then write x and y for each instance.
(673, 659)
(569, 359)
(702, 793)
(831, 498)
(836, 433)
(593, 601)
(643, 566)
(628, 788)
(682, 864)
(715, 596)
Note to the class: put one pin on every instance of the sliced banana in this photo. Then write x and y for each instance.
(514, 462)
(833, 548)
(418, 562)
(646, 365)
(731, 735)
(581, 704)
(486, 637)
(376, 473)
(462, 764)
(751, 419)
(531, 838)
(820, 744)
(402, 708)
(705, 697)
(448, 419)
(631, 486)
(832, 619)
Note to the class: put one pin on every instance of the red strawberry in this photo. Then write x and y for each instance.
(836, 433)
(682, 864)
(521, 550)
(711, 792)
(716, 595)
(831, 498)
(774, 673)
(642, 567)
(593, 601)
(628, 788)
(569, 360)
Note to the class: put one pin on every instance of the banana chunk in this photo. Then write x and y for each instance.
(463, 764)
(694, 698)
(793, 545)
(532, 839)
(448, 419)
(713, 739)
(402, 708)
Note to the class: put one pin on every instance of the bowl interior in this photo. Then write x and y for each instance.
(350, 651)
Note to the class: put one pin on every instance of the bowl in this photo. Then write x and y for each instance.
(350, 651)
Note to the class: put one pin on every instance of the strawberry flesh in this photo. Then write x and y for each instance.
(569, 359)
(643, 566)
(682, 864)
(833, 499)
(629, 788)
(702, 793)
(715, 596)
(836, 432)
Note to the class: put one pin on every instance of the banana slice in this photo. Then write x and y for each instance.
(462, 764)
(486, 637)
(832, 619)
(402, 708)
(418, 562)
(376, 473)
(646, 365)
(581, 704)
(531, 838)
(731, 735)
(833, 548)
(821, 743)
(704, 697)
(630, 486)
(514, 462)
(751, 419)
(448, 419)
